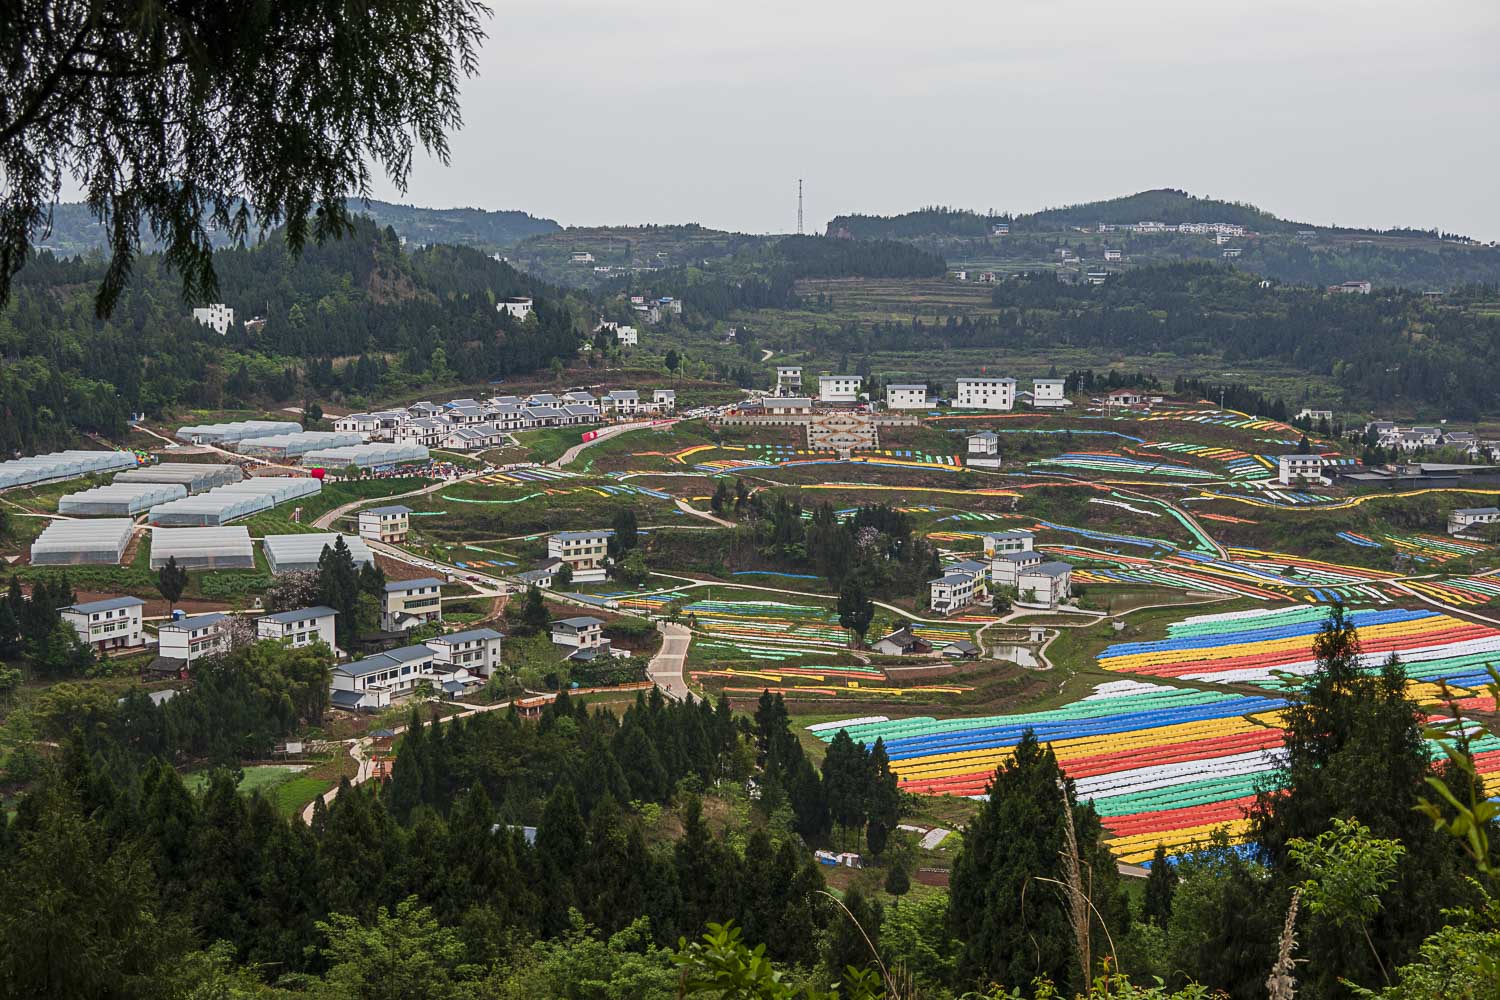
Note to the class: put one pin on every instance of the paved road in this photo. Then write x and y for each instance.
(326, 521)
(688, 508)
(604, 434)
(665, 669)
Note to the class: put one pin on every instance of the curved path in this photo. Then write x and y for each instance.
(665, 668)
(612, 431)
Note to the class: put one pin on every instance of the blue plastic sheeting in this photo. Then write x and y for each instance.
(1253, 633)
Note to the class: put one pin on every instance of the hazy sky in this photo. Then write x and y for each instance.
(1351, 112)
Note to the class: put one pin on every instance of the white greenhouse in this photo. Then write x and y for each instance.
(295, 553)
(365, 456)
(61, 465)
(119, 499)
(234, 430)
(203, 548)
(229, 503)
(192, 476)
(76, 543)
(284, 446)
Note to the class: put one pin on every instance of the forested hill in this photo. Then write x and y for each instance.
(1161, 205)
(350, 319)
(75, 231)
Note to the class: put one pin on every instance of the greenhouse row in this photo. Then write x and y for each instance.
(192, 476)
(229, 503)
(61, 465)
(77, 543)
(235, 430)
(300, 553)
(365, 456)
(291, 445)
(119, 499)
(203, 548)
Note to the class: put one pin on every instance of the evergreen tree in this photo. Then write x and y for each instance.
(1160, 884)
(561, 846)
(846, 781)
(338, 587)
(171, 581)
(847, 945)
(625, 538)
(884, 799)
(855, 609)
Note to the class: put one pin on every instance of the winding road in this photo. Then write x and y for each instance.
(665, 668)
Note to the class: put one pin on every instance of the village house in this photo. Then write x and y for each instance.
(1006, 567)
(301, 627)
(838, 388)
(1049, 393)
(951, 592)
(1124, 397)
(586, 551)
(627, 336)
(985, 443)
(664, 401)
(114, 623)
(477, 650)
(217, 317)
(1307, 413)
(1046, 585)
(901, 642)
(906, 397)
(428, 432)
(1463, 521)
(409, 603)
(190, 639)
(473, 438)
(518, 306)
(389, 524)
(788, 380)
(1293, 469)
(620, 402)
(543, 577)
(986, 394)
(998, 542)
(582, 634)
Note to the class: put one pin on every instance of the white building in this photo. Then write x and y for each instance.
(621, 402)
(585, 551)
(114, 623)
(838, 388)
(1049, 393)
(191, 639)
(999, 542)
(301, 627)
(1006, 567)
(986, 393)
(788, 380)
(477, 650)
(409, 603)
(217, 317)
(984, 443)
(1125, 397)
(429, 432)
(906, 397)
(1298, 468)
(1112, 255)
(951, 592)
(1307, 413)
(372, 682)
(627, 336)
(1460, 521)
(518, 306)
(1046, 585)
(664, 400)
(473, 438)
(582, 257)
(389, 524)
(581, 633)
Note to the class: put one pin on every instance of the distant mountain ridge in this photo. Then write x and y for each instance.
(75, 231)
(1167, 205)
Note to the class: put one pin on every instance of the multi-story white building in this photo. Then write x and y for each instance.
(409, 603)
(788, 380)
(581, 633)
(518, 306)
(1463, 519)
(621, 402)
(1006, 567)
(838, 388)
(1000, 542)
(906, 397)
(114, 623)
(1046, 585)
(389, 524)
(372, 682)
(217, 317)
(585, 551)
(627, 336)
(477, 650)
(1049, 393)
(473, 438)
(192, 639)
(985, 443)
(301, 627)
(1299, 468)
(428, 432)
(664, 400)
(951, 592)
(986, 393)
(1112, 255)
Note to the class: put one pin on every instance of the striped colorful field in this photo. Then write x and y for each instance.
(1105, 461)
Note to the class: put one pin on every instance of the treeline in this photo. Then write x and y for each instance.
(876, 546)
(936, 220)
(406, 319)
(1167, 205)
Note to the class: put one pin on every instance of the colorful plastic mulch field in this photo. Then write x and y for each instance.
(1463, 591)
(1104, 461)
(1251, 647)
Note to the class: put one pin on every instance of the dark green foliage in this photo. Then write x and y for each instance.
(1160, 884)
(529, 615)
(339, 587)
(171, 581)
(855, 609)
(625, 537)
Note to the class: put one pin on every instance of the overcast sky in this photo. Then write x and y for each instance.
(1348, 112)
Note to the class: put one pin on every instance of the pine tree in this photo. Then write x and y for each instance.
(561, 847)
(171, 581)
(883, 799)
(338, 587)
(1160, 884)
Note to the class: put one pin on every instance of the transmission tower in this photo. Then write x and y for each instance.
(799, 206)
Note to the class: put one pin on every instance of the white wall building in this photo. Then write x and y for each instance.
(114, 623)
(788, 380)
(409, 603)
(217, 317)
(986, 393)
(301, 627)
(477, 650)
(389, 524)
(518, 306)
(984, 443)
(191, 639)
(951, 592)
(1006, 567)
(1046, 585)
(585, 551)
(999, 542)
(838, 388)
(1298, 468)
(1464, 518)
(1049, 393)
(582, 632)
(906, 397)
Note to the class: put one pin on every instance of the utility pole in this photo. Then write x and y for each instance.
(799, 206)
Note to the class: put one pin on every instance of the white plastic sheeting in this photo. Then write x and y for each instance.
(234, 430)
(75, 543)
(293, 553)
(192, 476)
(61, 465)
(119, 499)
(228, 503)
(203, 548)
(365, 456)
(292, 445)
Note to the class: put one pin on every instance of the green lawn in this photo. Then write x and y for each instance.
(288, 789)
